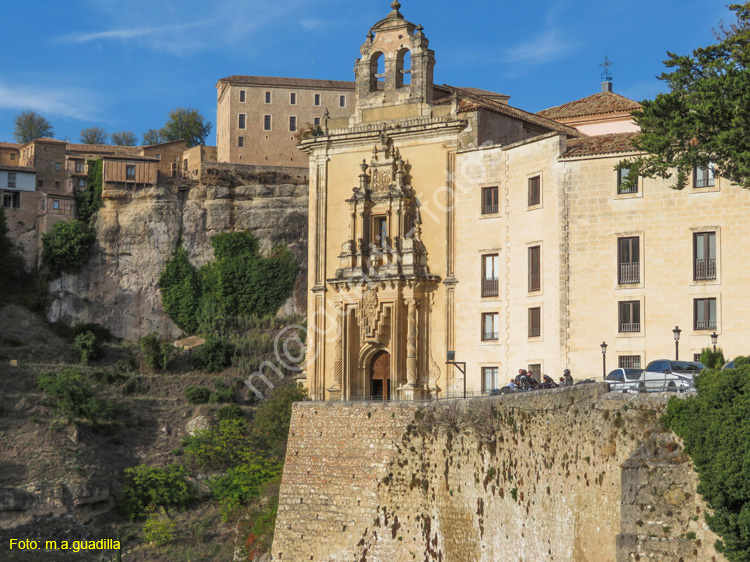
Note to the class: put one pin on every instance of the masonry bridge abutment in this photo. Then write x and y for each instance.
(575, 474)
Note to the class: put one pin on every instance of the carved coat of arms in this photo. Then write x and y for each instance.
(369, 310)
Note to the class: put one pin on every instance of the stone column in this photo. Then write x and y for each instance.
(411, 390)
(337, 371)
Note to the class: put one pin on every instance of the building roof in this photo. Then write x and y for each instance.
(107, 148)
(487, 94)
(148, 146)
(611, 143)
(598, 104)
(241, 80)
(9, 145)
(468, 101)
(23, 169)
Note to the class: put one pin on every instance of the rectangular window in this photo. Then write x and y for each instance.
(490, 326)
(628, 260)
(342, 101)
(130, 172)
(630, 316)
(380, 233)
(57, 184)
(629, 361)
(242, 96)
(11, 179)
(79, 166)
(81, 183)
(490, 379)
(316, 121)
(241, 123)
(58, 166)
(535, 322)
(40, 183)
(292, 123)
(490, 275)
(11, 200)
(489, 200)
(703, 176)
(240, 142)
(535, 268)
(266, 122)
(697, 357)
(704, 256)
(292, 99)
(535, 191)
(317, 99)
(12, 156)
(268, 97)
(704, 314)
(56, 204)
(535, 370)
(622, 175)
(157, 156)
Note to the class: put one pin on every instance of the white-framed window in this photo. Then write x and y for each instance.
(130, 172)
(490, 326)
(266, 122)
(242, 96)
(317, 100)
(293, 98)
(79, 166)
(292, 123)
(490, 379)
(240, 142)
(316, 121)
(268, 98)
(490, 275)
(342, 101)
(242, 121)
(58, 166)
(11, 179)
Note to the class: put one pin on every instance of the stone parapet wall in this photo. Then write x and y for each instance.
(571, 474)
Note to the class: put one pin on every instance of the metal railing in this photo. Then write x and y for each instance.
(490, 336)
(629, 273)
(705, 182)
(705, 325)
(631, 189)
(490, 287)
(704, 269)
(627, 327)
(489, 209)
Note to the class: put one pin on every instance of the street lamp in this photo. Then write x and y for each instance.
(714, 340)
(461, 366)
(604, 360)
(676, 333)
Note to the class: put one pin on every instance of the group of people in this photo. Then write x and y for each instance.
(525, 380)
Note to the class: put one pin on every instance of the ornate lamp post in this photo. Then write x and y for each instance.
(714, 340)
(676, 333)
(604, 360)
(459, 365)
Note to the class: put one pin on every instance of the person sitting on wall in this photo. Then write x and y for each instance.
(508, 388)
(547, 382)
(520, 377)
(568, 378)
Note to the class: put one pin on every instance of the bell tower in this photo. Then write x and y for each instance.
(396, 69)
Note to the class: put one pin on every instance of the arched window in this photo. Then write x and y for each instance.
(377, 72)
(403, 68)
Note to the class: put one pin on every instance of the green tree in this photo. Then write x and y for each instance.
(29, 125)
(160, 487)
(704, 118)
(124, 138)
(270, 430)
(181, 290)
(186, 123)
(89, 199)
(67, 246)
(715, 428)
(87, 346)
(94, 135)
(152, 136)
(73, 395)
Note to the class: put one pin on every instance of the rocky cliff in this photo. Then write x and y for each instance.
(137, 231)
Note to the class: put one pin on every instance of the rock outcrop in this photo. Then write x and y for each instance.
(137, 231)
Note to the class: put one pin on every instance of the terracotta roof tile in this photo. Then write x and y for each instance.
(288, 82)
(17, 169)
(9, 145)
(107, 148)
(597, 104)
(601, 144)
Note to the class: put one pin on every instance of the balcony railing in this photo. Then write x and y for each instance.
(629, 273)
(704, 269)
(490, 287)
(623, 189)
(628, 327)
(705, 324)
(705, 182)
(490, 336)
(489, 209)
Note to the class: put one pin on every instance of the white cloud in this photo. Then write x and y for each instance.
(313, 24)
(122, 33)
(73, 103)
(545, 47)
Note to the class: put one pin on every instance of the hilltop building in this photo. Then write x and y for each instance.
(444, 219)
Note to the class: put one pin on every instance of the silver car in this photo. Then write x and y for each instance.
(670, 376)
(624, 380)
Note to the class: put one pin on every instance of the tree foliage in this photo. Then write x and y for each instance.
(156, 353)
(94, 135)
(29, 125)
(67, 246)
(147, 486)
(73, 395)
(186, 123)
(89, 199)
(124, 138)
(273, 417)
(87, 346)
(704, 118)
(152, 136)
(213, 356)
(715, 428)
(181, 290)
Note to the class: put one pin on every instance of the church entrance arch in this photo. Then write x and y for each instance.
(380, 376)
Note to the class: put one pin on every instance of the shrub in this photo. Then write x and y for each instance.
(711, 425)
(158, 529)
(243, 483)
(146, 486)
(88, 347)
(156, 353)
(197, 394)
(271, 424)
(712, 359)
(219, 447)
(214, 355)
(67, 247)
(181, 290)
(230, 412)
(89, 199)
(73, 395)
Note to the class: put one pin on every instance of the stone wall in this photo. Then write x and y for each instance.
(137, 231)
(565, 475)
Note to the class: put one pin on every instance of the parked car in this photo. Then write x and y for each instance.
(625, 380)
(666, 375)
(728, 365)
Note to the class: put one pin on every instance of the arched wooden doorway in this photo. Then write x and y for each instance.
(380, 376)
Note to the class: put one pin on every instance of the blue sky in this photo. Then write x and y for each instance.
(124, 64)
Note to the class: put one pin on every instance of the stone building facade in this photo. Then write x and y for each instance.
(258, 118)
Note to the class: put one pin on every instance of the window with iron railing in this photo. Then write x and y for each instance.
(490, 326)
(704, 314)
(703, 176)
(489, 200)
(535, 322)
(11, 179)
(630, 316)
(490, 378)
(535, 268)
(622, 175)
(490, 275)
(704, 256)
(629, 361)
(628, 260)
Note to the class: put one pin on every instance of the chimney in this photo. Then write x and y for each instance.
(607, 86)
